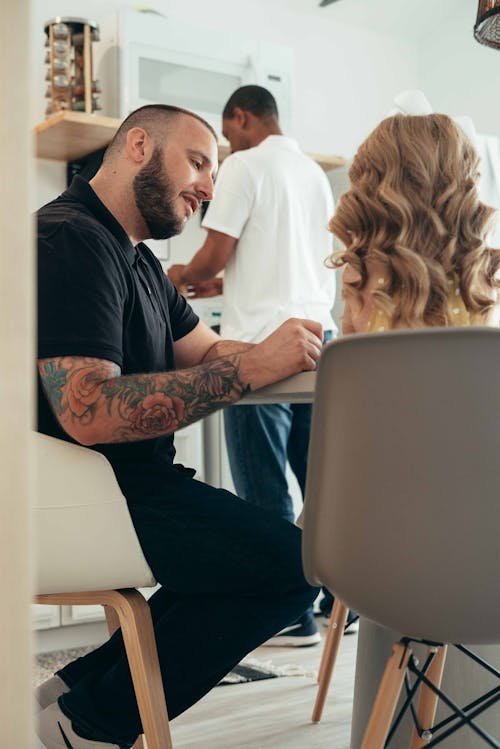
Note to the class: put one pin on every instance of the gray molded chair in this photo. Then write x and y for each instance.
(87, 552)
(402, 511)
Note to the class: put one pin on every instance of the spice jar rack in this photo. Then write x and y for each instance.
(69, 76)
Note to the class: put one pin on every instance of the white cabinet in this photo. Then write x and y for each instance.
(45, 617)
(81, 614)
(217, 470)
(189, 448)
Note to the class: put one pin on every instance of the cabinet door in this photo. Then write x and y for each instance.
(45, 617)
(81, 614)
(189, 448)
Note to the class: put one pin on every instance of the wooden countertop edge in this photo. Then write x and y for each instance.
(296, 389)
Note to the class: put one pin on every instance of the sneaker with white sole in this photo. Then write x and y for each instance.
(351, 626)
(352, 623)
(302, 633)
(55, 731)
(49, 692)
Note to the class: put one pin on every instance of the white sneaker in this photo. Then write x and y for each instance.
(55, 731)
(352, 624)
(49, 692)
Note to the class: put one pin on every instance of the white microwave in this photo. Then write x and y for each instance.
(145, 58)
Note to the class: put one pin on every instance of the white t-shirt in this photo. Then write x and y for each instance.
(277, 202)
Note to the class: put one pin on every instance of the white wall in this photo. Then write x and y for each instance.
(459, 75)
(345, 78)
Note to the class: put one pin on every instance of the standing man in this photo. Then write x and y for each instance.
(267, 229)
(123, 363)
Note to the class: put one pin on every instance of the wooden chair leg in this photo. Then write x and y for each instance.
(130, 611)
(112, 619)
(338, 618)
(428, 700)
(387, 698)
(113, 623)
(140, 645)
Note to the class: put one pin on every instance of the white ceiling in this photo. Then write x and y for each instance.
(408, 18)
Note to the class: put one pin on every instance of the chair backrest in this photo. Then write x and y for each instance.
(402, 510)
(83, 533)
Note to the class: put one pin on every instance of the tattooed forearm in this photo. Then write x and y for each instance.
(151, 405)
(226, 348)
(94, 403)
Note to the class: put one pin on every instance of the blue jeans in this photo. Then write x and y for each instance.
(231, 577)
(260, 440)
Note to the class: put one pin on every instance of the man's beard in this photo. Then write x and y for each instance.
(154, 197)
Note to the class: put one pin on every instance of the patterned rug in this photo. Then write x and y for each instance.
(249, 669)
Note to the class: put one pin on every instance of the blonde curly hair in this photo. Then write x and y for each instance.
(413, 208)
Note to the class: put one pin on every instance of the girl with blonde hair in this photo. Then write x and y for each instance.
(414, 231)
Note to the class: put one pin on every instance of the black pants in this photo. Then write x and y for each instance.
(231, 577)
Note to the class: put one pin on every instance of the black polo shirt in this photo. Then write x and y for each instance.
(100, 296)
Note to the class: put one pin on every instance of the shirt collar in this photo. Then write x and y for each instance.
(280, 141)
(81, 191)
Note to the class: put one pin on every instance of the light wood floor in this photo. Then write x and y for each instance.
(274, 714)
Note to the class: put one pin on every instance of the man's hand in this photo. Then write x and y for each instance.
(95, 404)
(210, 259)
(204, 289)
(293, 347)
(175, 274)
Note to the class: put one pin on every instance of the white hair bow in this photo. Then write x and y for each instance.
(415, 102)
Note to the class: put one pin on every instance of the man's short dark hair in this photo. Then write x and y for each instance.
(255, 99)
(154, 119)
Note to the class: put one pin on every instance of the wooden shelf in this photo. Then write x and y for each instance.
(69, 136)
(326, 162)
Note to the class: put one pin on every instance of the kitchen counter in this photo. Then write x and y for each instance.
(298, 388)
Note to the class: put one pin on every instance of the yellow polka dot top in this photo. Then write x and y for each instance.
(459, 314)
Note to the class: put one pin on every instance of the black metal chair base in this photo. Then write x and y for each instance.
(460, 716)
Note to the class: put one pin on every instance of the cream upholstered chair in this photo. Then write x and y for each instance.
(402, 506)
(87, 552)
